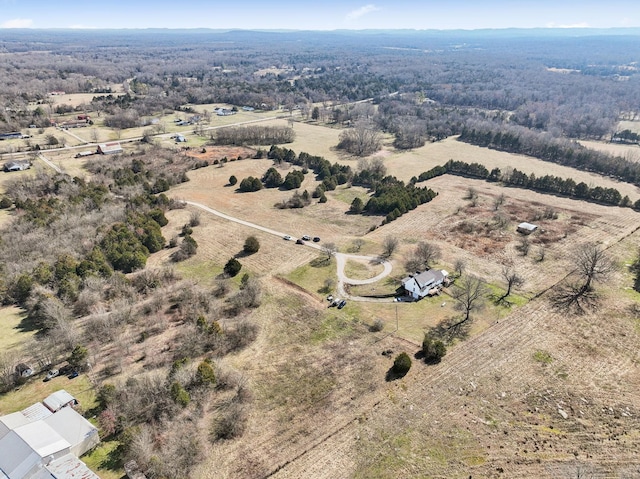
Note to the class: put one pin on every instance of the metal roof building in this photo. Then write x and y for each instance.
(76, 430)
(58, 400)
(38, 444)
(111, 148)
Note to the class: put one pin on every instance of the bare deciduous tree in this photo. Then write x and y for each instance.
(459, 266)
(329, 249)
(358, 243)
(512, 278)
(524, 245)
(592, 265)
(389, 246)
(361, 140)
(469, 295)
(427, 253)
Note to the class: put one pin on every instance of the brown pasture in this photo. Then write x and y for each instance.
(629, 152)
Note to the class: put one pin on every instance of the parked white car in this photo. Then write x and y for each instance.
(51, 374)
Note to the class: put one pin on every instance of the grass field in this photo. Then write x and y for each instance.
(11, 336)
(36, 390)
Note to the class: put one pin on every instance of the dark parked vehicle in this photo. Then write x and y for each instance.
(316, 239)
(73, 375)
(299, 241)
(342, 304)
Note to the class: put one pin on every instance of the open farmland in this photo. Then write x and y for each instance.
(630, 152)
(330, 222)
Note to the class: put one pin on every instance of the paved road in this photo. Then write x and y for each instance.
(341, 258)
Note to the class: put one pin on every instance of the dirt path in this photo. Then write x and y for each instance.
(341, 258)
(49, 163)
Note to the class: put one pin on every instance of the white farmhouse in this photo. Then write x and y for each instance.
(427, 283)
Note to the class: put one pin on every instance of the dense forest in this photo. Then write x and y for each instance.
(429, 84)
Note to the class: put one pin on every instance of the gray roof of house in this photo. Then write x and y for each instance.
(426, 278)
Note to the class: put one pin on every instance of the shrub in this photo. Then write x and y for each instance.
(5, 203)
(402, 364)
(251, 245)
(233, 180)
(378, 325)
(232, 267)
(205, 375)
(357, 206)
(194, 219)
(250, 184)
(179, 394)
(106, 395)
(433, 350)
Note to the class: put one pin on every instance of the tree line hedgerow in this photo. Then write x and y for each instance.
(546, 184)
(562, 151)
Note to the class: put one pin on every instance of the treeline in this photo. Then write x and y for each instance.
(545, 147)
(254, 135)
(626, 136)
(546, 184)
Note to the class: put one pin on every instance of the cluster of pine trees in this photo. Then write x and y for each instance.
(393, 198)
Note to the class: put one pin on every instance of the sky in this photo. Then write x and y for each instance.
(319, 14)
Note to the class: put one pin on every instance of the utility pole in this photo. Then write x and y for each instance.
(397, 317)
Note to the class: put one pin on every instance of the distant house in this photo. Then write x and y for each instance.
(24, 370)
(59, 399)
(427, 283)
(111, 148)
(526, 228)
(17, 165)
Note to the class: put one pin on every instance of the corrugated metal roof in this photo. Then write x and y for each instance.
(36, 412)
(70, 467)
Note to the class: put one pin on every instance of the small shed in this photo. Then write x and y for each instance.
(58, 400)
(526, 228)
(111, 148)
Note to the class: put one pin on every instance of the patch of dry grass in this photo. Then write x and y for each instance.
(362, 269)
(11, 336)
